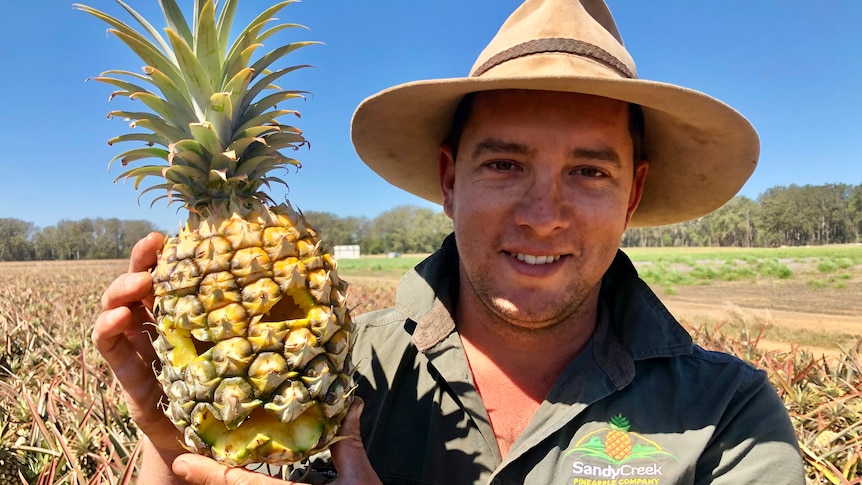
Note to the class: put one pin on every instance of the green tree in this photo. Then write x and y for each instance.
(406, 229)
(107, 239)
(15, 240)
(46, 244)
(133, 231)
(732, 224)
(778, 217)
(74, 238)
(334, 230)
(832, 201)
(430, 228)
(854, 213)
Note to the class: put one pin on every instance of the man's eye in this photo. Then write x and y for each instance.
(502, 165)
(590, 172)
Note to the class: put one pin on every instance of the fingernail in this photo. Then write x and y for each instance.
(181, 468)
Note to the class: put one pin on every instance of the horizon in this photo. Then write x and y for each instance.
(435, 207)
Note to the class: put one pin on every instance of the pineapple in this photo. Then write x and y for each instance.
(87, 448)
(618, 443)
(253, 333)
(11, 463)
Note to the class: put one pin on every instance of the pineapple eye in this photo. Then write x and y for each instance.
(285, 309)
(202, 346)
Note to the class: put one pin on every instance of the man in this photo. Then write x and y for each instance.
(526, 350)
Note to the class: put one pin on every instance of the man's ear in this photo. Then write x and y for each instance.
(637, 189)
(446, 171)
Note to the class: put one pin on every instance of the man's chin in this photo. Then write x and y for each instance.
(529, 315)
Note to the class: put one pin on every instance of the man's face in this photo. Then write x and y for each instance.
(540, 194)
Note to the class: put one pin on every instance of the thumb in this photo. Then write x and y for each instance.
(200, 470)
(348, 455)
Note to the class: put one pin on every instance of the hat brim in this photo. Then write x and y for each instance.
(700, 150)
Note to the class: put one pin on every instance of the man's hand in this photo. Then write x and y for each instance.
(348, 455)
(122, 336)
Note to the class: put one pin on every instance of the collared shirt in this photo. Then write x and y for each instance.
(640, 404)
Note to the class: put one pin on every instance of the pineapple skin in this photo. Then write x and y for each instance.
(254, 337)
(10, 464)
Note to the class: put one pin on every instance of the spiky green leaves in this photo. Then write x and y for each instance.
(213, 132)
(620, 423)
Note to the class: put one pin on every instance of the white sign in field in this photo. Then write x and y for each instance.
(346, 251)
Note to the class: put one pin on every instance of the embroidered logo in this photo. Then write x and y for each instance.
(615, 454)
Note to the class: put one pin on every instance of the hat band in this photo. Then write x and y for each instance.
(567, 46)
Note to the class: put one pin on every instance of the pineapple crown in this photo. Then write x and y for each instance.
(216, 135)
(620, 423)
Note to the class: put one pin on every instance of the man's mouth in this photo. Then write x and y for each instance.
(531, 259)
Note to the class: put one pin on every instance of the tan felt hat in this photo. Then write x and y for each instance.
(700, 150)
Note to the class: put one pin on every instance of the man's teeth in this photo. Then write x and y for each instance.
(530, 259)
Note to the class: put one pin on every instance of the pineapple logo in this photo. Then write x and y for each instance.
(620, 444)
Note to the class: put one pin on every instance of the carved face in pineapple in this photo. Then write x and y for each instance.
(254, 336)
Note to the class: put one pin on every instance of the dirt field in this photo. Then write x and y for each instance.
(795, 312)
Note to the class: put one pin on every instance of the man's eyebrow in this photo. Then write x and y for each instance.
(494, 145)
(604, 154)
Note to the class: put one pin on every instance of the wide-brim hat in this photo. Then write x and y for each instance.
(700, 150)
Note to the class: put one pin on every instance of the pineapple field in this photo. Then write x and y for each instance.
(62, 419)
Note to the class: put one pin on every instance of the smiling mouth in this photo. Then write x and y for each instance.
(535, 260)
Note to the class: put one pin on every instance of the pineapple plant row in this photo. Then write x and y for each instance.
(823, 396)
(61, 414)
(253, 333)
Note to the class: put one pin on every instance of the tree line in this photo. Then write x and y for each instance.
(84, 239)
(404, 229)
(782, 216)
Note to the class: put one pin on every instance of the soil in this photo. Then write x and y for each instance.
(790, 309)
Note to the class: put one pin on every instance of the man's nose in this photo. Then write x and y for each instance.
(543, 206)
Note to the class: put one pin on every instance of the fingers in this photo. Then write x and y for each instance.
(121, 339)
(144, 256)
(145, 252)
(127, 289)
(350, 424)
(200, 470)
(118, 328)
(121, 335)
(117, 333)
(348, 455)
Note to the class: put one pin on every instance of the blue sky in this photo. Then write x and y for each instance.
(792, 67)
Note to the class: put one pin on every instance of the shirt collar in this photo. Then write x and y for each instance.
(638, 319)
(427, 295)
